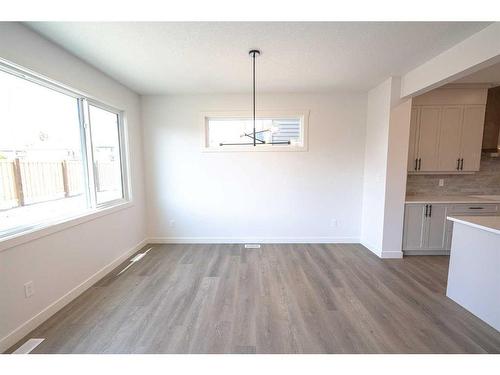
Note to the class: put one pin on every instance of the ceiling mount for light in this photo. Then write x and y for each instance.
(253, 54)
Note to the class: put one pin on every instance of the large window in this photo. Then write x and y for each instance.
(279, 132)
(60, 154)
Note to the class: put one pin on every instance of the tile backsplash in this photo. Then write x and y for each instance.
(486, 181)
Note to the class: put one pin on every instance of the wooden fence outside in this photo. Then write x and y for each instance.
(24, 182)
(107, 174)
(8, 188)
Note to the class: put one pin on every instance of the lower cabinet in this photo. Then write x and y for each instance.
(426, 230)
(438, 227)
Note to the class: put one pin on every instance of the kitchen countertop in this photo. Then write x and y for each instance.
(452, 199)
(487, 223)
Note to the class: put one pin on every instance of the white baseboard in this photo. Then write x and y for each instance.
(16, 335)
(383, 254)
(229, 240)
(372, 248)
(391, 254)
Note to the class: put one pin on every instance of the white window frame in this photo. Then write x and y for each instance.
(89, 150)
(303, 115)
(93, 210)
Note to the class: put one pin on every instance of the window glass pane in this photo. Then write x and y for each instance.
(41, 169)
(275, 132)
(285, 130)
(106, 149)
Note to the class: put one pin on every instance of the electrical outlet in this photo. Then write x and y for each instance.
(441, 182)
(334, 223)
(29, 289)
(171, 223)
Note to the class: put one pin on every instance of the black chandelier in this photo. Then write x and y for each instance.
(255, 141)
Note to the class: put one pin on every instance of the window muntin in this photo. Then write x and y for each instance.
(45, 151)
(229, 130)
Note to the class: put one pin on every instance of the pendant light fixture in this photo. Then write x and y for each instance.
(255, 142)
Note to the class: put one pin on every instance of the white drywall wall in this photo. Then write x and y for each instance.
(395, 186)
(254, 196)
(375, 165)
(384, 184)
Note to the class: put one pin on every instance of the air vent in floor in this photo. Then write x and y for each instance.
(28, 346)
(137, 258)
(252, 246)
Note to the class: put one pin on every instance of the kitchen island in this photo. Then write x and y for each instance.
(474, 271)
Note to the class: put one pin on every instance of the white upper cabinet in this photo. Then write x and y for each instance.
(412, 148)
(446, 131)
(472, 137)
(428, 136)
(450, 137)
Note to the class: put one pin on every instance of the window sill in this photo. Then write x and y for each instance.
(58, 225)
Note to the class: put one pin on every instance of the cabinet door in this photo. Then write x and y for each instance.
(472, 137)
(436, 228)
(428, 138)
(413, 146)
(414, 231)
(450, 131)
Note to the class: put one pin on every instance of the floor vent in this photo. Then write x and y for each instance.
(28, 346)
(252, 246)
(137, 258)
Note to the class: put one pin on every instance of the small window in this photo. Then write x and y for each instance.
(61, 154)
(232, 133)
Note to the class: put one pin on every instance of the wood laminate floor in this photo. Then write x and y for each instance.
(277, 299)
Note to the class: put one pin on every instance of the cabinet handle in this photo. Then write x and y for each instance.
(426, 209)
(430, 210)
(458, 164)
(416, 163)
(476, 208)
(419, 163)
(462, 164)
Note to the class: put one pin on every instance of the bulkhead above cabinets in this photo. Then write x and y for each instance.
(446, 131)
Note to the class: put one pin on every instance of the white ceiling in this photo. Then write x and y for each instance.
(194, 57)
(487, 75)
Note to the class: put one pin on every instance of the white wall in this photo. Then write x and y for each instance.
(384, 184)
(260, 196)
(375, 165)
(62, 261)
(396, 174)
